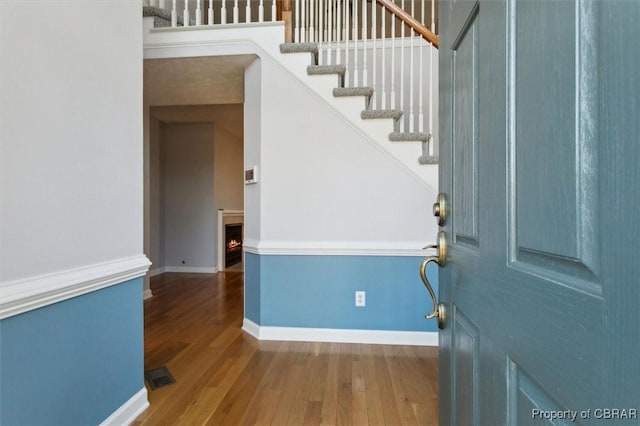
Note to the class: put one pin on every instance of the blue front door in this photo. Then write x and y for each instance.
(540, 166)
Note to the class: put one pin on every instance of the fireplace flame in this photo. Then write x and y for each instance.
(233, 244)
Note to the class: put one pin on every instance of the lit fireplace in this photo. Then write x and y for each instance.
(233, 244)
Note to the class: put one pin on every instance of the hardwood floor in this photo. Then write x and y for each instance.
(226, 377)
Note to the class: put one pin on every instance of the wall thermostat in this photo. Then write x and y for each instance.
(251, 175)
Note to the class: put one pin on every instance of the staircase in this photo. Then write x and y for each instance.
(375, 49)
(367, 92)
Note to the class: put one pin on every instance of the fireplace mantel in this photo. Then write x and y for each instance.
(226, 216)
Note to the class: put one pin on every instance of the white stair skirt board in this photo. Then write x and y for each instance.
(334, 335)
(129, 411)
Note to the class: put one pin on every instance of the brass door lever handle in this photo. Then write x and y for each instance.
(439, 309)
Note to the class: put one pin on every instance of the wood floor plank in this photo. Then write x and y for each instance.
(345, 386)
(329, 412)
(226, 377)
(389, 406)
(233, 406)
(375, 414)
(359, 403)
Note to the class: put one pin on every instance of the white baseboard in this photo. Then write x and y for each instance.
(251, 327)
(156, 271)
(334, 335)
(190, 270)
(147, 294)
(129, 411)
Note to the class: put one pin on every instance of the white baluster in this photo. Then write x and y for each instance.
(198, 13)
(223, 12)
(236, 12)
(303, 21)
(345, 30)
(260, 11)
(319, 20)
(383, 82)
(185, 14)
(354, 34)
(365, 77)
(330, 27)
(393, 61)
(312, 26)
(411, 54)
(401, 75)
(411, 108)
(297, 29)
(431, 94)
(374, 36)
(421, 67)
(210, 13)
(322, 34)
(273, 11)
(321, 10)
(174, 15)
(247, 12)
(338, 31)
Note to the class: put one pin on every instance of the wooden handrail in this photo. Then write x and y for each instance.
(284, 13)
(411, 21)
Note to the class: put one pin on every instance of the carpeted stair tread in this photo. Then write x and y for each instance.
(368, 114)
(367, 92)
(161, 17)
(427, 159)
(299, 48)
(409, 136)
(326, 69)
(352, 91)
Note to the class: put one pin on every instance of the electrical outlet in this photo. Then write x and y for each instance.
(361, 298)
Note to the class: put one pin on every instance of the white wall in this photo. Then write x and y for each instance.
(322, 181)
(252, 148)
(187, 176)
(330, 183)
(226, 188)
(229, 176)
(156, 198)
(71, 176)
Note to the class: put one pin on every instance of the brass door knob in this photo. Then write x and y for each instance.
(440, 209)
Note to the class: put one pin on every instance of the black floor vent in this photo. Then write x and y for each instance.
(159, 377)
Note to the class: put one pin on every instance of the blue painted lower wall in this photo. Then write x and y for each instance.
(319, 292)
(73, 362)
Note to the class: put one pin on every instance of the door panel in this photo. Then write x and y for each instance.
(465, 132)
(539, 124)
(465, 369)
(528, 401)
(558, 90)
